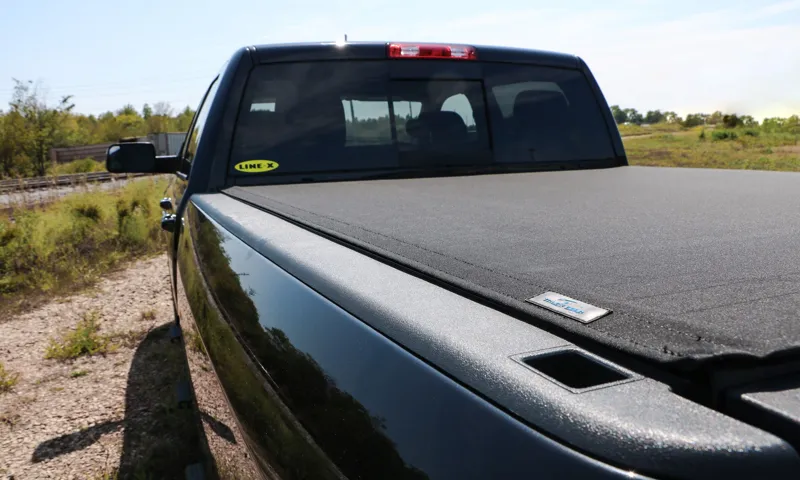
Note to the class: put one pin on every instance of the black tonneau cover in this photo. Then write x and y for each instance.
(693, 263)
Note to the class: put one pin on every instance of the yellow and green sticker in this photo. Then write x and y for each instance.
(256, 166)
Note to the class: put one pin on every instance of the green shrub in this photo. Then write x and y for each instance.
(84, 340)
(7, 379)
(702, 135)
(71, 241)
(84, 165)
(724, 135)
(751, 132)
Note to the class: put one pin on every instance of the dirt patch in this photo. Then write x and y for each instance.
(101, 414)
(787, 149)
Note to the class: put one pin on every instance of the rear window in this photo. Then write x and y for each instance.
(358, 115)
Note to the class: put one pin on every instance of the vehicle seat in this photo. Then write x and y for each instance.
(438, 129)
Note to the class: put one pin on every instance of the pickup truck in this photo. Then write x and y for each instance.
(432, 261)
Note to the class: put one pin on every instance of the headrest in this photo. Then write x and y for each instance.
(438, 125)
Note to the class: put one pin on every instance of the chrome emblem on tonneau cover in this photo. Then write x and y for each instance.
(581, 311)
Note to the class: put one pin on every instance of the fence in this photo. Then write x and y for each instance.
(68, 154)
(165, 143)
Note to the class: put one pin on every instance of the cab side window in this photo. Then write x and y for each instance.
(196, 130)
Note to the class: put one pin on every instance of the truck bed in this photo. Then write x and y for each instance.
(694, 264)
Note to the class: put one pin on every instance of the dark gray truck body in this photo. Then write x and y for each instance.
(379, 328)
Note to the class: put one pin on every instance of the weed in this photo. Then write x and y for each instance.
(129, 339)
(702, 135)
(7, 379)
(149, 315)
(195, 342)
(84, 340)
(108, 475)
(9, 419)
(70, 242)
(78, 373)
(84, 165)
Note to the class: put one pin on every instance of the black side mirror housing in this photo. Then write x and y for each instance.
(138, 157)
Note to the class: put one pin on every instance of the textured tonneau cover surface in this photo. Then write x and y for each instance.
(693, 263)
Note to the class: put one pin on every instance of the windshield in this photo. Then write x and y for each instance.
(358, 115)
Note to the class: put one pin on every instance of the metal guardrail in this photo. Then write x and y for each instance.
(62, 180)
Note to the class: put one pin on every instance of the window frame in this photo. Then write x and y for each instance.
(186, 165)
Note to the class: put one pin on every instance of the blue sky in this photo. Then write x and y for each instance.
(680, 55)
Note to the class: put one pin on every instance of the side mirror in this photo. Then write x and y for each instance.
(138, 157)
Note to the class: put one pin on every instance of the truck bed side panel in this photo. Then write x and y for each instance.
(320, 394)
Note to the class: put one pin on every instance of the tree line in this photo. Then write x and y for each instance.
(727, 120)
(32, 126)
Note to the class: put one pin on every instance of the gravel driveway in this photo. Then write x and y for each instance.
(105, 415)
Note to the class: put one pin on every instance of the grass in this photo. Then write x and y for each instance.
(107, 475)
(7, 379)
(69, 243)
(633, 130)
(84, 340)
(149, 315)
(195, 343)
(84, 165)
(9, 419)
(732, 149)
(129, 339)
(78, 373)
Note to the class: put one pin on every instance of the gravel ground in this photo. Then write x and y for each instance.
(59, 422)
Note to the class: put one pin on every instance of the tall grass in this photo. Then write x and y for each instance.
(741, 148)
(84, 165)
(78, 237)
(633, 130)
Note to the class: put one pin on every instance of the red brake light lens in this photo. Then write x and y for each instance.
(415, 50)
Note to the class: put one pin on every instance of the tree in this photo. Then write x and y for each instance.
(731, 120)
(773, 124)
(634, 116)
(748, 121)
(32, 127)
(654, 116)
(184, 119)
(44, 124)
(672, 117)
(127, 110)
(693, 120)
(162, 108)
(13, 137)
(619, 115)
(715, 118)
(792, 125)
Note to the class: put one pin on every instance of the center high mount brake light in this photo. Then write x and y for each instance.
(416, 50)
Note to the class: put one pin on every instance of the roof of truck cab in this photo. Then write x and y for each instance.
(312, 51)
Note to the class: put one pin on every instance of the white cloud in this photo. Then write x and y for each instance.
(714, 60)
(783, 7)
